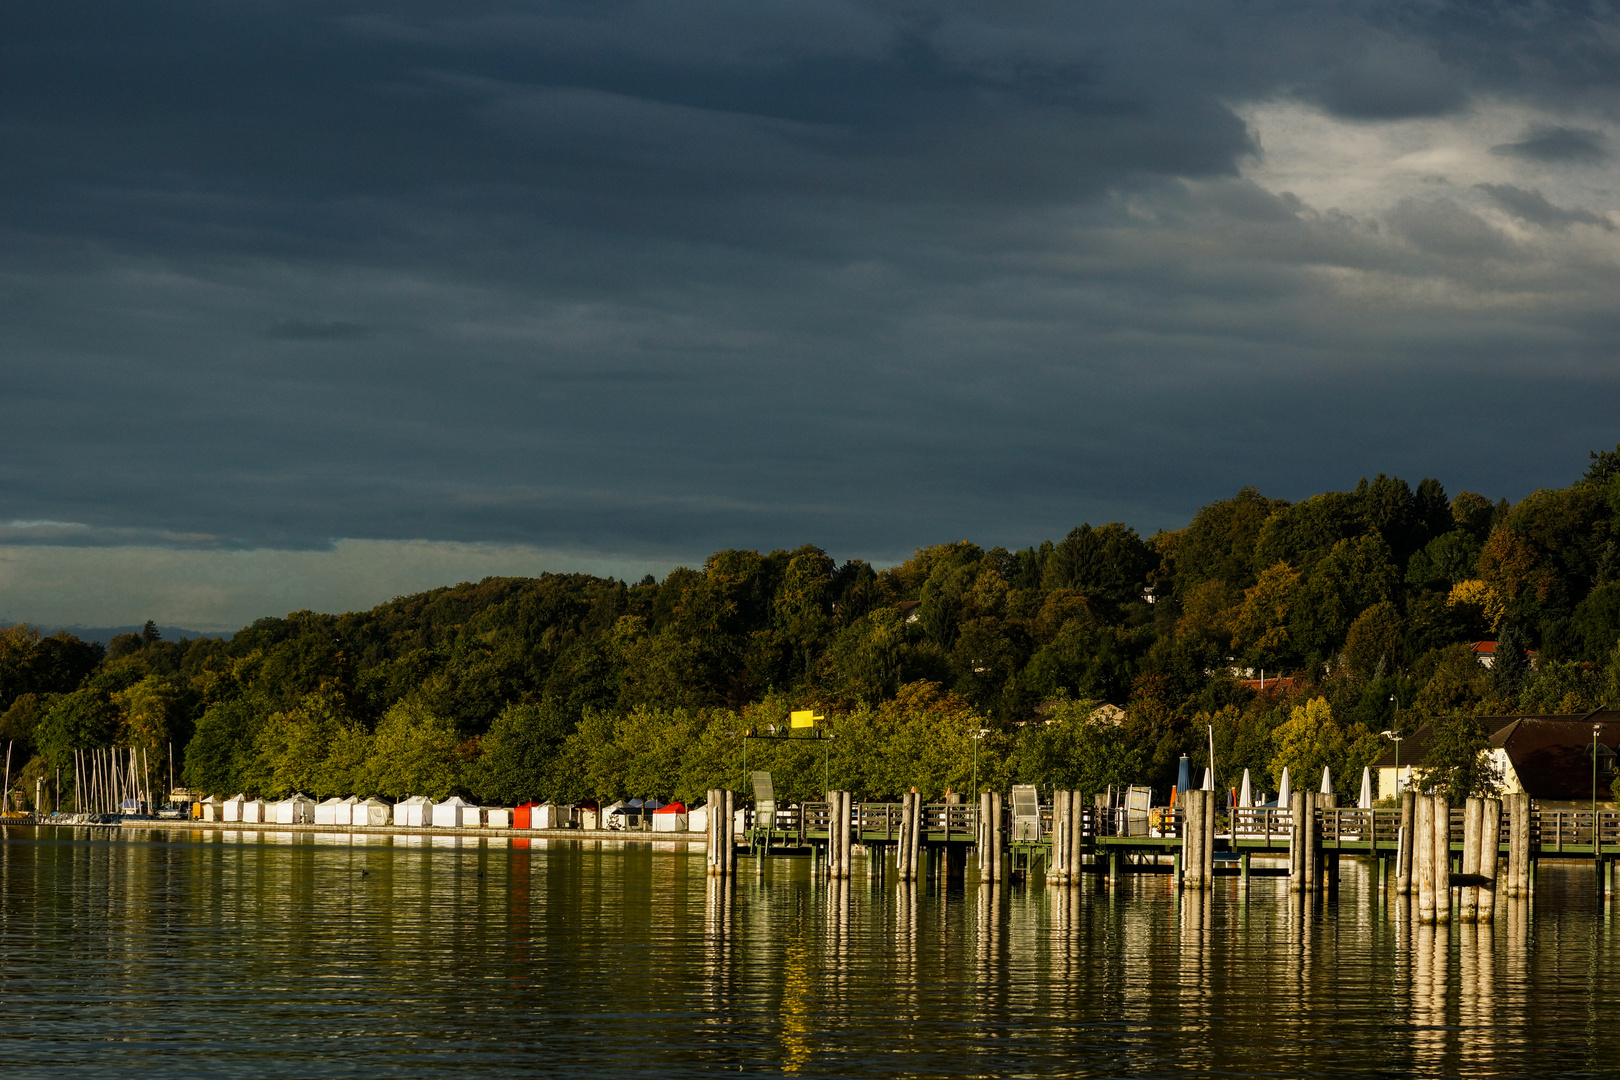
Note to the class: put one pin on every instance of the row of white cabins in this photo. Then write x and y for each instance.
(419, 811)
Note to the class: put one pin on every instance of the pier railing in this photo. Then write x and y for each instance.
(1551, 831)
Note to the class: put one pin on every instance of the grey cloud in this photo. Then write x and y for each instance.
(317, 330)
(659, 278)
(1532, 206)
(1442, 227)
(1386, 80)
(1550, 143)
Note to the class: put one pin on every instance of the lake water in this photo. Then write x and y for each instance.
(313, 955)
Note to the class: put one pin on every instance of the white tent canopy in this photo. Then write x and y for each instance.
(454, 812)
(326, 811)
(372, 812)
(231, 808)
(295, 810)
(415, 811)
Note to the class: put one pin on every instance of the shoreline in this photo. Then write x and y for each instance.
(638, 836)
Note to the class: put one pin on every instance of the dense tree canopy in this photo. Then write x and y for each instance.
(573, 686)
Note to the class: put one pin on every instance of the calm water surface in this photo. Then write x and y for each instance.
(309, 955)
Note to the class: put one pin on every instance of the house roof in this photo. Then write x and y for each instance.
(1415, 746)
(1548, 751)
(1551, 755)
(1488, 648)
(1275, 684)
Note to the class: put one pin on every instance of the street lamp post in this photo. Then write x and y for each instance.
(981, 733)
(1395, 737)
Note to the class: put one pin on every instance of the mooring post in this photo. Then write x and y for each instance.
(1473, 827)
(1243, 869)
(1518, 859)
(997, 836)
(711, 847)
(1442, 859)
(1403, 845)
(1298, 814)
(1062, 801)
(1423, 857)
(1489, 852)
(905, 859)
(1183, 864)
(1204, 840)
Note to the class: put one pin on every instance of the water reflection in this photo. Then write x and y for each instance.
(297, 954)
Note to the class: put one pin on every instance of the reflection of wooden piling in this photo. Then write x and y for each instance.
(1473, 827)
(1403, 848)
(1490, 848)
(1423, 857)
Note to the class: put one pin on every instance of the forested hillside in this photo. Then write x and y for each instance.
(570, 686)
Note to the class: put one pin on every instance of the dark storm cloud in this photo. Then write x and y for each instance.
(1545, 142)
(1532, 206)
(666, 277)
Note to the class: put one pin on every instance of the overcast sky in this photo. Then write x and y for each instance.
(310, 304)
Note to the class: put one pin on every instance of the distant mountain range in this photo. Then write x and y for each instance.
(105, 634)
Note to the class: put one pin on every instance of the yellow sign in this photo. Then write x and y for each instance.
(805, 718)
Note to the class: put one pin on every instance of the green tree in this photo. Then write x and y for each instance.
(516, 752)
(416, 752)
(83, 720)
(1312, 739)
(221, 757)
(1458, 762)
(1076, 750)
(293, 747)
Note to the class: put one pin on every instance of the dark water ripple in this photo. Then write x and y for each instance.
(281, 955)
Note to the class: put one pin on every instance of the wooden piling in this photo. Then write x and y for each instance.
(1423, 857)
(1403, 849)
(899, 831)
(1077, 838)
(1442, 859)
(1490, 848)
(846, 834)
(1192, 831)
(919, 856)
(1058, 870)
(1473, 829)
(728, 833)
(1299, 815)
(997, 835)
(1518, 861)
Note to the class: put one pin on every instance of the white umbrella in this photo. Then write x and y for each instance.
(1209, 780)
(1365, 802)
(1245, 795)
(1285, 794)
(1327, 781)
